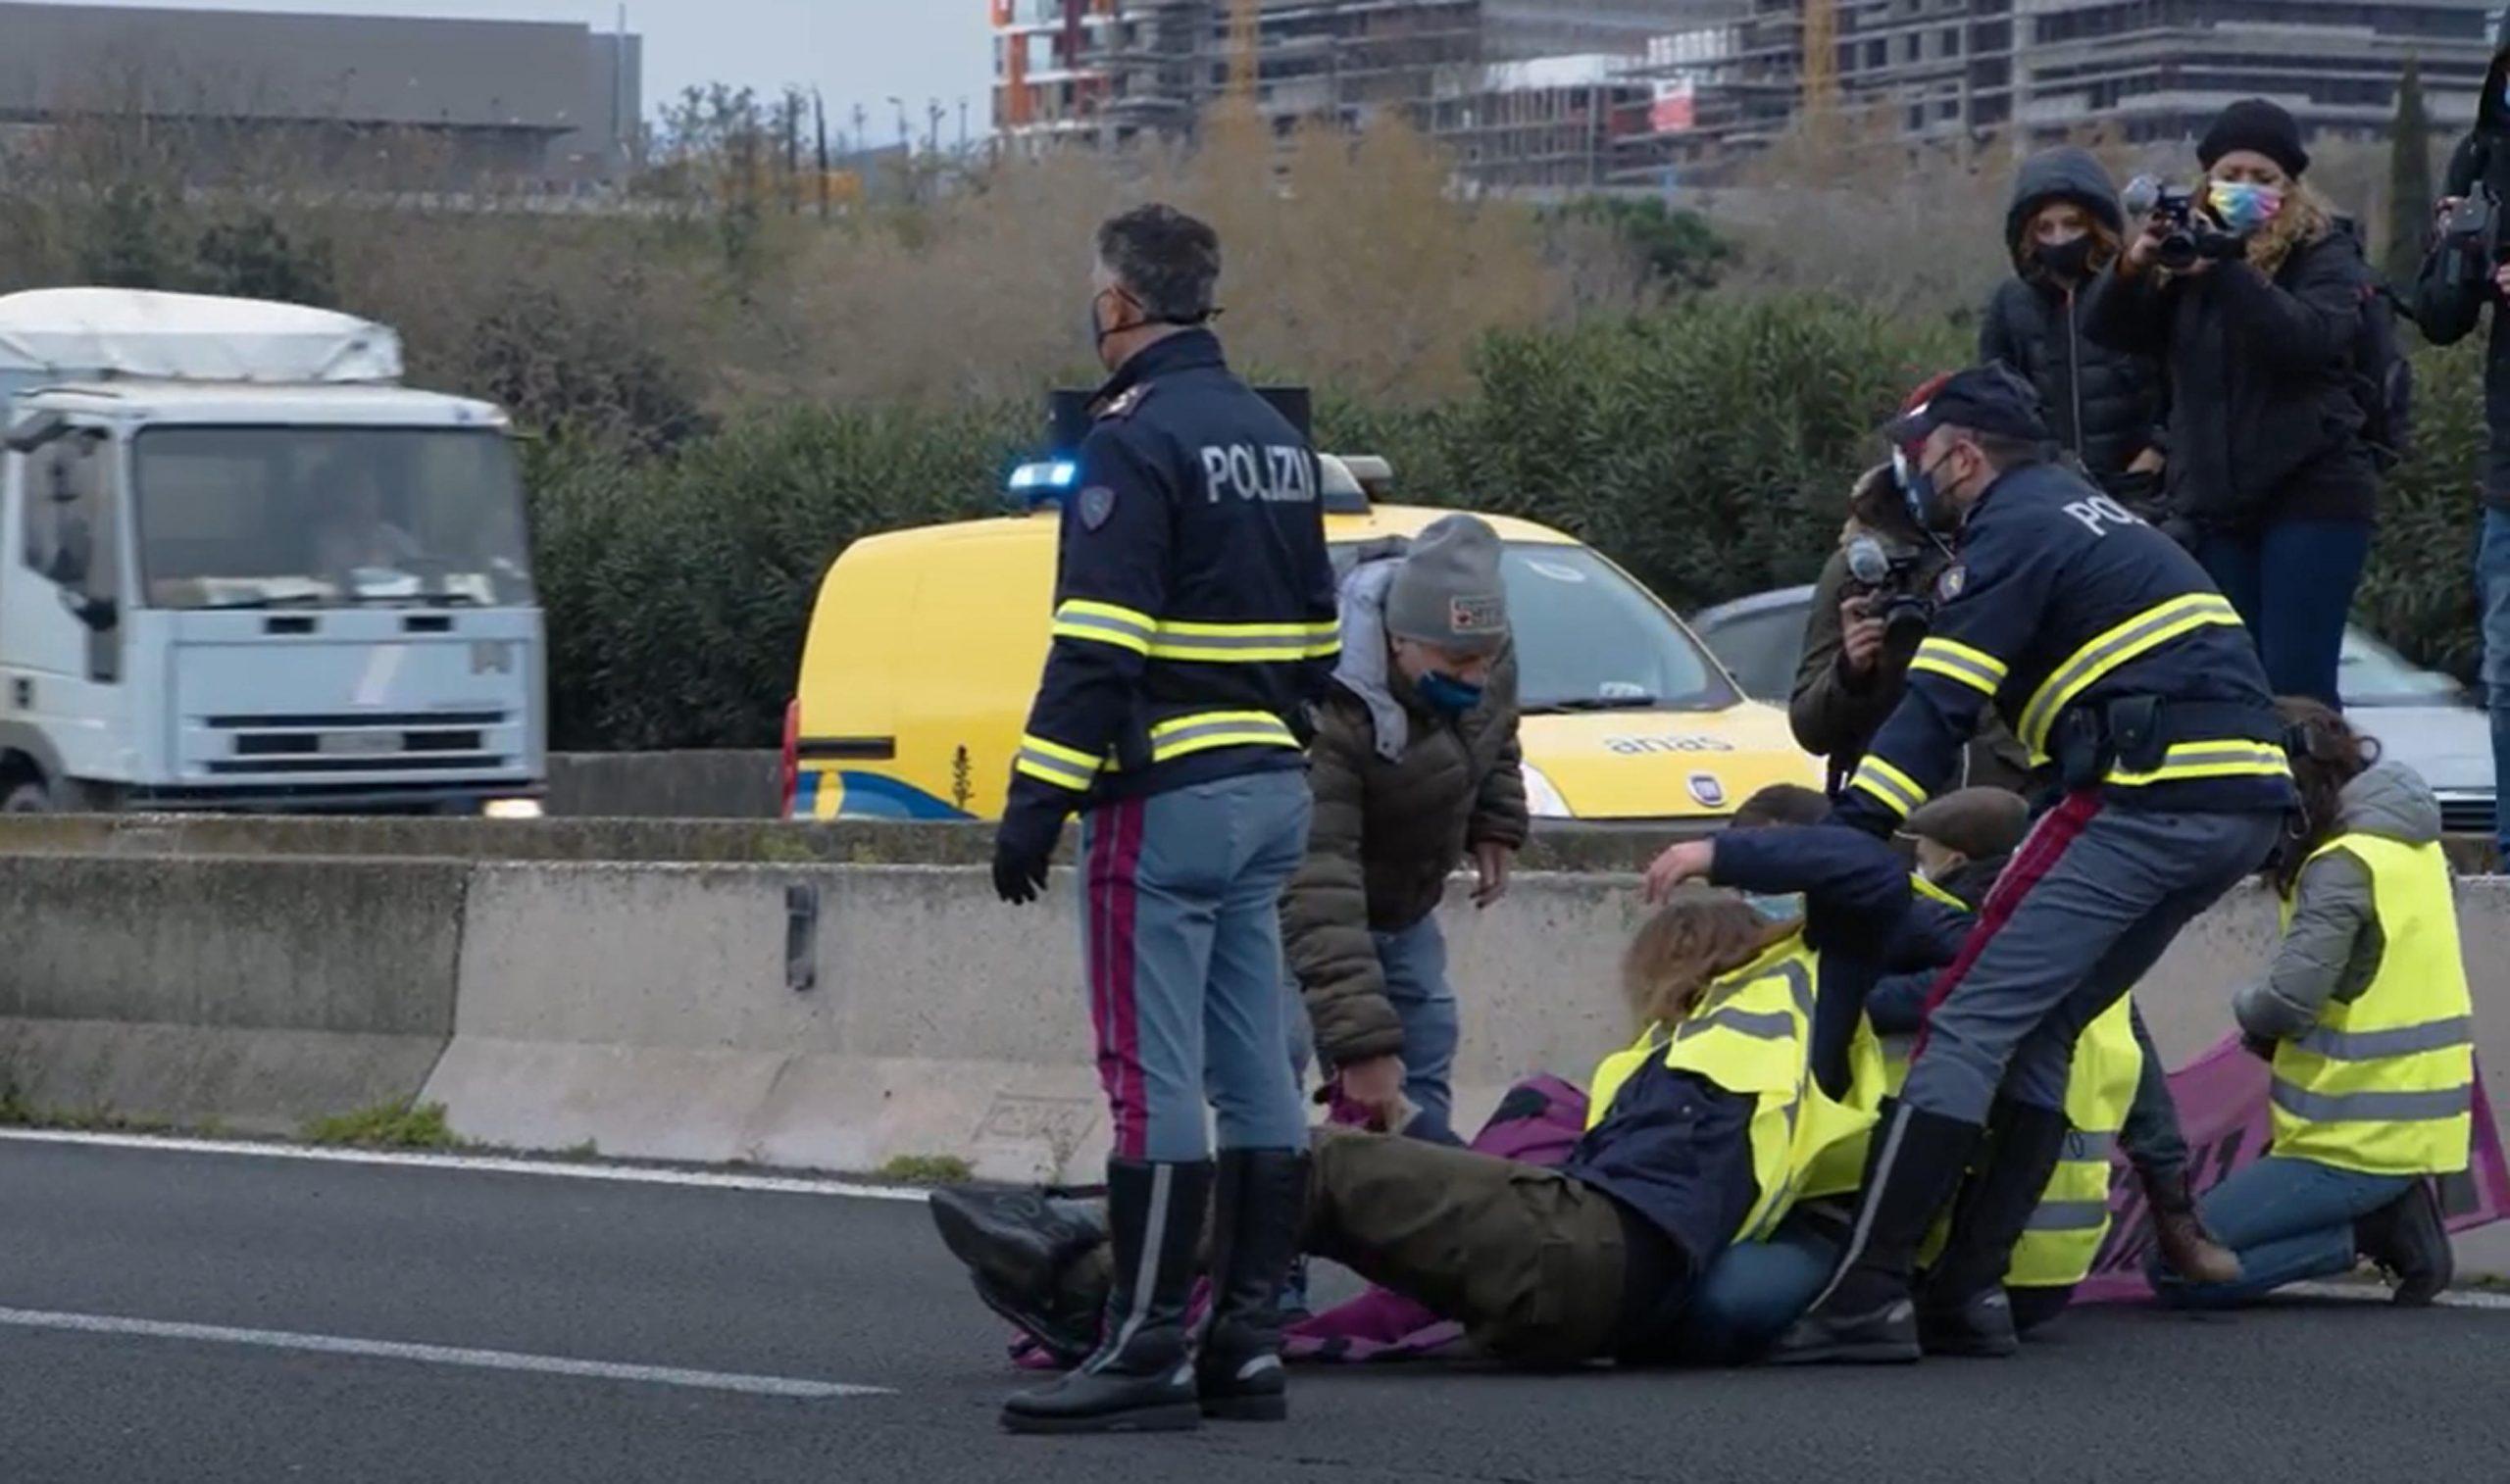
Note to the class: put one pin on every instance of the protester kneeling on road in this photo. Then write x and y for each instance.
(1414, 765)
(2254, 296)
(1700, 1135)
(2367, 1020)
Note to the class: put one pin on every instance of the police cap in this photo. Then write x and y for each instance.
(1991, 399)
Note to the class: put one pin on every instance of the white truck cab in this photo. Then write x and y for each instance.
(241, 567)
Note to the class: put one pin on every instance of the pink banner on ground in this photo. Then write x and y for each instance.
(2222, 1099)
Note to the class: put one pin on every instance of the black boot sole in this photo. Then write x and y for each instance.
(1066, 1351)
(1005, 1266)
(1273, 1408)
(1968, 1347)
(1175, 1417)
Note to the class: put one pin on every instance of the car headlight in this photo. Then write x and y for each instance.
(513, 809)
(1543, 801)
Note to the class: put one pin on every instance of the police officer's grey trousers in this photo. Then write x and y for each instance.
(2088, 905)
(1182, 935)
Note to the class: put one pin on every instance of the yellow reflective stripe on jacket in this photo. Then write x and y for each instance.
(1928, 889)
(2188, 761)
(2063, 1236)
(2141, 634)
(2385, 1084)
(1974, 668)
(1050, 761)
(1246, 643)
(1895, 788)
(1104, 624)
(1201, 731)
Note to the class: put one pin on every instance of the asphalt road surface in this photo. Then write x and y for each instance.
(195, 1315)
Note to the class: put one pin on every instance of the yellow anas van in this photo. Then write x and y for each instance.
(926, 645)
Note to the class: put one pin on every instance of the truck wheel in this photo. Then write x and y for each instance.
(28, 798)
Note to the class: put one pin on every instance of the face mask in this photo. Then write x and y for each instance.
(1448, 695)
(1785, 909)
(1919, 491)
(2244, 208)
(2071, 259)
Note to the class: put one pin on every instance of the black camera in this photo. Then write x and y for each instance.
(2193, 236)
(1906, 611)
(2471, 238)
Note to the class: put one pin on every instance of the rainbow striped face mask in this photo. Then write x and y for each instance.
(2244, 208)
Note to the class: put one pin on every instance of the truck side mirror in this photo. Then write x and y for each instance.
(72, 552)
(99, 614)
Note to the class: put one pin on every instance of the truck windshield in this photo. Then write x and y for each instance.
(234, 517)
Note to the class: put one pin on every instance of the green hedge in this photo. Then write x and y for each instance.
(1709, 447)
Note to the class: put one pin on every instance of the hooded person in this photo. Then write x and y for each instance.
(2458, 280)
(2105, 406)
(2268, 465)
(1415, 767)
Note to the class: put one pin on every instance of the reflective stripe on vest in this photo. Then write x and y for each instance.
(2385, 1084)
(1751, 1034)
(2063, 1236)
(1934, 893)
(1192, 641)
(2140, 635)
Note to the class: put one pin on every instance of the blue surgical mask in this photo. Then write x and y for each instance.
(1448, 695)
(1776, 908)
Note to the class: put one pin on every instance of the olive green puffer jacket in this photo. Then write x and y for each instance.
(1401, 794)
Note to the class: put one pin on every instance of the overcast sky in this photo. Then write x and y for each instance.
(854, 51)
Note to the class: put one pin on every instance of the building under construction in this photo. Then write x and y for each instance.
(1106, 73)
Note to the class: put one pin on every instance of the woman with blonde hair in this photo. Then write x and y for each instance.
(2259, 329)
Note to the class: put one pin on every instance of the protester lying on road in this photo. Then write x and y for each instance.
(1414, 765)
(2367, 1020)
(1705, 1132)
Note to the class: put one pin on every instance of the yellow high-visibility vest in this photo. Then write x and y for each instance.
(2385, 1084)
(1752, 1035)
(2066, 1228)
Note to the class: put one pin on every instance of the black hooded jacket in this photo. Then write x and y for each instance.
(2104, 405)
(2264, 423)
(2447, 313)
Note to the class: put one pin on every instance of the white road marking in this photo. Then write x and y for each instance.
(438, 1354)
(2368, 1292)
(799, 1185)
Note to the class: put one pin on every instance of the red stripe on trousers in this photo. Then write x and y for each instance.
(2029, 866)
(1115, 861)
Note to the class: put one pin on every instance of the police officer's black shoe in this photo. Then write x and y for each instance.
(1257, 1214)
(1867, 1315)
(1963, 1309)
(1979, 1325)
(2409, 1239)
(1142, 1377)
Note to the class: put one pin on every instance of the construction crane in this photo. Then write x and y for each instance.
(1246, 43)
(1821, 62)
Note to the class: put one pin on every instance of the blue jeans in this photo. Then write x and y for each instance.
(1414, 965)
(2293, 583)
(1182, 935)
(2290, 1220)
(1754, 1290)
(2492, 596)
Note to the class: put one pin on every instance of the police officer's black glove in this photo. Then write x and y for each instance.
(1022, 847)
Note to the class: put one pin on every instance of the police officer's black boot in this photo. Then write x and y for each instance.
(2410, 1240)
(1016, 1245)
(1963, 1309)
(1866, 1316)
(1256, 1218)
(1142, 1377)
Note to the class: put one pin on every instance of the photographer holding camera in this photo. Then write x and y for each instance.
(2468, 267)
(1871, 609)
(2256, 298)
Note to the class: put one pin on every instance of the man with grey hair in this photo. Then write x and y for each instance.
(1194, 625)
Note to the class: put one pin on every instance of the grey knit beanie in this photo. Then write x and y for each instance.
(1448, 590)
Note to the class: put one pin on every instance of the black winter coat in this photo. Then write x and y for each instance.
(2264, 425)
(2104, 405)
(2447, 313)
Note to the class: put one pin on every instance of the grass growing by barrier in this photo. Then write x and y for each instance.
(387, 1125)
(928, 1169)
